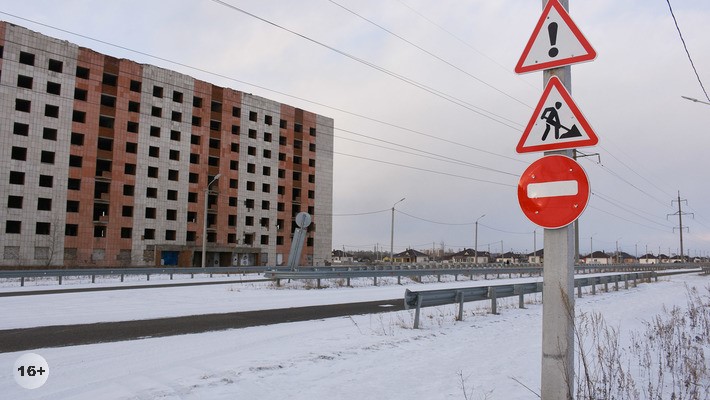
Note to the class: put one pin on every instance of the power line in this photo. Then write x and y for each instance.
(330, 107)
(385, 123)
(424, 153)
(628, 210)
(435, 222)
(692, 64)
(429, 53)
(424, 169)
(452, 99)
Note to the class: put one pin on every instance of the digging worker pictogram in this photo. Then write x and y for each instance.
(552, 120)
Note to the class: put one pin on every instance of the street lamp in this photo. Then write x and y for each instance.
(475, 242)
(695, 100)
(617, 251)
(204, 221)
(392, 233)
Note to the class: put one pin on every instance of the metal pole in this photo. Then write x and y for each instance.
(475, 242)
(558, 290)
(204, 221)
(680, 223)
(392, 233)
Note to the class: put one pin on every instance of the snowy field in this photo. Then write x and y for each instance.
(369, 356)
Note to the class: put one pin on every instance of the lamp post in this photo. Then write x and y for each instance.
(475, 241)
(392, 233)
(617, 251)
(695, 100)
(204, 221)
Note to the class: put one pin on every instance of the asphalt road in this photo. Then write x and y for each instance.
(72, 335)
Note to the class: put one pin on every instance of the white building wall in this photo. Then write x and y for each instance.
(323, 241)
(27, 247)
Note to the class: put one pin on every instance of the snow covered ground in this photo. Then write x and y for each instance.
(368, 356)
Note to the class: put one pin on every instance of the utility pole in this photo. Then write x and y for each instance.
(680, 215)
(392, 233)
(475, 241)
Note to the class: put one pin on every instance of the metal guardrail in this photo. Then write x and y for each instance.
(430, 298)
(335, 272)
(419, 270)
(60, 274)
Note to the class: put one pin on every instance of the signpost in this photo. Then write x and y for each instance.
(554, 190)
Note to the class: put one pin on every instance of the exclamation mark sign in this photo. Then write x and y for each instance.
(552, 31)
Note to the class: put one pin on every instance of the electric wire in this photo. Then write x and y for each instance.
(630, 211)
(424, 153)
(430, 54)
(685, 46)
(320, 104)
(282, 93)
(627, 220)
(450, 98)
(424, 169)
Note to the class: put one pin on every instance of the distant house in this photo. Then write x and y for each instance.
(410, 256)
(648, 259)
(663, 259)
(624, 258)
(536, 257)
(508, 258)
(469, 256)
(598, 257)
(340, 257)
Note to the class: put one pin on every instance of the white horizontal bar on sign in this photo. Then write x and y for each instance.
(552, 189)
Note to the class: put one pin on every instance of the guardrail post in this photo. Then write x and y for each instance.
(171, 276)
(147, 276)
(594, 285)
(121, 277)
(494, 300)
(459, 297)
(438, 277)
(416, 313)
(192, 275)
(456, 277)
(348, 282)
(540, 287)
(60, 279)
(521, 294)
(399, 279)
(616, 283)
(579, 288)
(318, 280)
(655, 275)
(634, 280)
(22, 281)
(606, 284)
(375, 279)
(93, 278)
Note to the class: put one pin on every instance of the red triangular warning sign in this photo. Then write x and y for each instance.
(557, 123)
(556, 41)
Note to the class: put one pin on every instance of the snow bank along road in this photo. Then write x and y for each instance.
(56, 319)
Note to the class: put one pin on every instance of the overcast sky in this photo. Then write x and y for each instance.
(463, 104)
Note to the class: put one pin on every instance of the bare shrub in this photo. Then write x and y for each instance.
(667, 360)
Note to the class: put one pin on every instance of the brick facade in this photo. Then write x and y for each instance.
(105, 162)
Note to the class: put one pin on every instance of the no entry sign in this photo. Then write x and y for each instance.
(553, 191)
